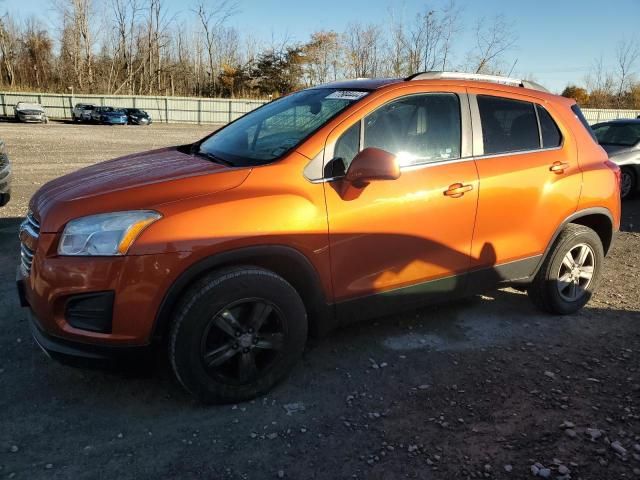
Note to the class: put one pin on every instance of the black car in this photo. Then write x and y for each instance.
(138, 117)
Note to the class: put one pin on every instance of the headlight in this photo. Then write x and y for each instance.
(105, 234)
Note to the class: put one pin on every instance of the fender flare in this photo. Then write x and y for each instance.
(572, 219)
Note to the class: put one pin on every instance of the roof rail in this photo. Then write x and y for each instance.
(438, 75)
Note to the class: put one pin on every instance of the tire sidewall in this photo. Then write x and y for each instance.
(211, 297)
(634, 182)
(590, 238)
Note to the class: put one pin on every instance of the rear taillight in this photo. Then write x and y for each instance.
(616, 170)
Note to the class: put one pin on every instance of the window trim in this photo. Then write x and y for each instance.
(478, 142)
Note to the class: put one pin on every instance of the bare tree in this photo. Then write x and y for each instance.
(600, 83)
(627, 53)
(363, 45)
(8, 50)
(493, 39)
(422, 42)
(322, 57)
(77, 40)
(449, 27)
(212, 17)
(125, 17)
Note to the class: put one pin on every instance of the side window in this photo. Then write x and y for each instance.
(507, 125)
(417, 129)
(347, 147)
(551, 136)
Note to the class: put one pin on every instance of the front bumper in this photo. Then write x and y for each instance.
(78, 353)
(140, 121)
(87, 355)
(55, 289)
(31, 118)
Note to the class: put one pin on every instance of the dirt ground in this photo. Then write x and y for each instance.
(484, 388)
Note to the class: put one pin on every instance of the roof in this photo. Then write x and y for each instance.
(376, 83)
(361, 83)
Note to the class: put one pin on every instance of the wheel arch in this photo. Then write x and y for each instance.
(287, 262)
(599, 219)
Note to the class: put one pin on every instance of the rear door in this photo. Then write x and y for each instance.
(530, 180)
(406, 239)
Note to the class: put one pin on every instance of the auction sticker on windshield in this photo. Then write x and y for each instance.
(346, 95)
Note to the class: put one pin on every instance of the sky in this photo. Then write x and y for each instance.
(557, 40)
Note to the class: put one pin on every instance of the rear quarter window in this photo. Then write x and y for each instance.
(551, 136)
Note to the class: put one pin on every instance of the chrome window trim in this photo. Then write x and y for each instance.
(517, 152)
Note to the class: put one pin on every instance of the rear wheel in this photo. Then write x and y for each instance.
(628, 182)
(570, 273)
(236, 333)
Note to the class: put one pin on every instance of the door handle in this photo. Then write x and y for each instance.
(457, 190)
(558, 167)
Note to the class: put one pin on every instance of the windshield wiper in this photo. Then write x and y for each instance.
(215, 159)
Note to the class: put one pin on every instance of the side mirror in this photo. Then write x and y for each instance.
(372, 164)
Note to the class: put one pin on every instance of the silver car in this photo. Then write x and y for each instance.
(30, 112)
(5, 176)
(82, 112)
(621, 140)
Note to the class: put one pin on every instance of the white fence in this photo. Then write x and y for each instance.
(193, 110)
(597, 115)
(161, 109)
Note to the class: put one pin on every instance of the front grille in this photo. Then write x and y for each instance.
(29, 233)
(26, 259)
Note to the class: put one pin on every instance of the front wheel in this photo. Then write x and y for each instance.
(570, 272)
(236, 333)
(628, 182)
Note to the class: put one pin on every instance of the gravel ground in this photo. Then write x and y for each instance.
(485, 388)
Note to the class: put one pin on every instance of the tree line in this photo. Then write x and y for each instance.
(141, 47)
(138, 47)
(606, 87)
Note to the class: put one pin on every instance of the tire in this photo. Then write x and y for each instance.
(551, 296)
(212, 323)
(628, 183)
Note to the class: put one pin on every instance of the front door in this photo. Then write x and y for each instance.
(409, 239)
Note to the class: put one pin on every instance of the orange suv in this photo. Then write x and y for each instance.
(335, 203)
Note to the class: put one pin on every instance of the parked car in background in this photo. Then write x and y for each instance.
(5, 176)
(30, 112)
(621, 140)
(138, 117)
(109, 116)
(337, 203)
(82, 112)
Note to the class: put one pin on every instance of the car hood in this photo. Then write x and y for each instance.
(139, 181)
(29, 108)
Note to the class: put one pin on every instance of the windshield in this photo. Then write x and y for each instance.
(623, 134)
(271, 131)
(111, 110)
